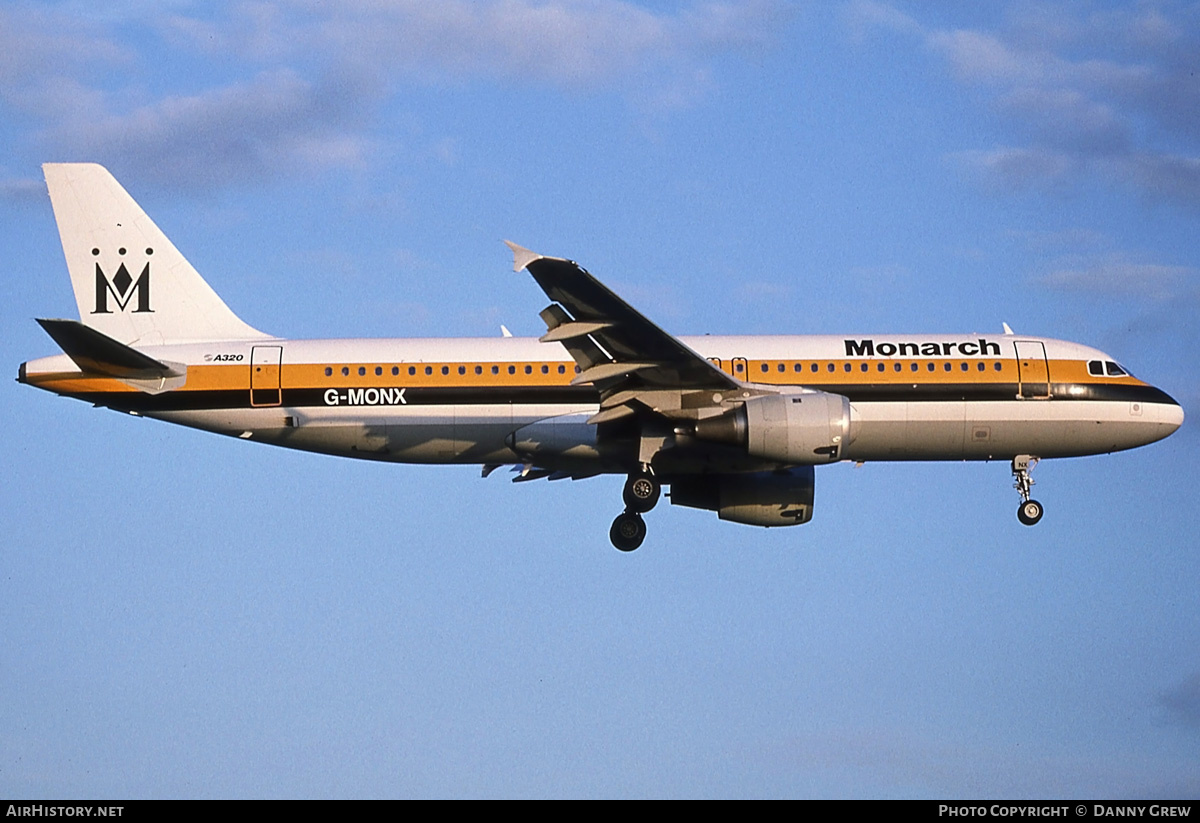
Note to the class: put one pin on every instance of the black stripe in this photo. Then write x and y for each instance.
(932, 392)
(527, 395)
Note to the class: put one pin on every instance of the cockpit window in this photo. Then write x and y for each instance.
(1106, 368)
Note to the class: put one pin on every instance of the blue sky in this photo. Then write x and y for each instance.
(186, 615)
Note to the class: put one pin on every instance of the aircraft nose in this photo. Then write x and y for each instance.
(1172, 415)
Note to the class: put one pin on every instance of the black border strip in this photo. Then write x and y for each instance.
(528, 395)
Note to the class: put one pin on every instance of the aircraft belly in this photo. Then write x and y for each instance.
(983, 430)
(404, 434)
(908, 431)
(950, 430)
(935, 429)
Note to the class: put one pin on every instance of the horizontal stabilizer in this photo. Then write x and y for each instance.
(97, 353)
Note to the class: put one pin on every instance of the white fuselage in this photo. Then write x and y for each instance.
(466, 400)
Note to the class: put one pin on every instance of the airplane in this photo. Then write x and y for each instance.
(734, 425)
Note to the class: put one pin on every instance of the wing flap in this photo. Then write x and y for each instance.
(607, 371)
(572, 330)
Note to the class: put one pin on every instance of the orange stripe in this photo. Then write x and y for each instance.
(236, 377)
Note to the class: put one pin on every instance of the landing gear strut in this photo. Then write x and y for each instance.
(641, 493)
(1030, 511)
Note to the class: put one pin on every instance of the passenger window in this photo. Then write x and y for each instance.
(528, 369)
(980, 365)
(966, 366)
(345, 371)
(479, 369)
(880, 367)
(829, 368)
(765, 367)
(797, 367)
(930, 366)
(562, 369)
(395, 370)
(846, 367)
(378, 370)
(782, 367)
(915, 366)
(328, 371)
(445, 369)
(512, 369)
(412, 370)
(998, 367)
(495, 369)
(429, 370)
(814, 368)
(948, 366)
(897, 367)
(462, 369)
(864, 367)
(738, 367)
(545, 369)
(362, 370)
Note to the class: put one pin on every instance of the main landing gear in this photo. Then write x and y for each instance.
(1030, 511)
(641, 493)
(628, 531)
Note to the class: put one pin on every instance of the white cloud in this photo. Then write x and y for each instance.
(1114, 276)
(37, 43)
(304, 81)
(1183, 702)
(1066, 117)
(575, 44)
(983, 58)
(1101, 95)
(863, 16)
(18, 190)
(274, 123)
(1019, 167)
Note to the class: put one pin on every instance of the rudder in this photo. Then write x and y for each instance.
(130, 281)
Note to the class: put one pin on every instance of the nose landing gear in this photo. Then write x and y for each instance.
(1030, 511)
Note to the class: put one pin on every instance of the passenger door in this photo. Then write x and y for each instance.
(1033, 370)
(265, 367)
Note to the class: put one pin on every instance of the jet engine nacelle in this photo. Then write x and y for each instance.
(805, 428)
(775, 498)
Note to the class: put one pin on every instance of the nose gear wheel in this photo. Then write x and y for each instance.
(1030, 511)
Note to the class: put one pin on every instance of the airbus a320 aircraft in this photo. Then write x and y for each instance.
(732, 424)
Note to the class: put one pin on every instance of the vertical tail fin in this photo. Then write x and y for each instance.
(130, 282)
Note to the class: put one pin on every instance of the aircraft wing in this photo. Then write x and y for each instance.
(616, 348)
